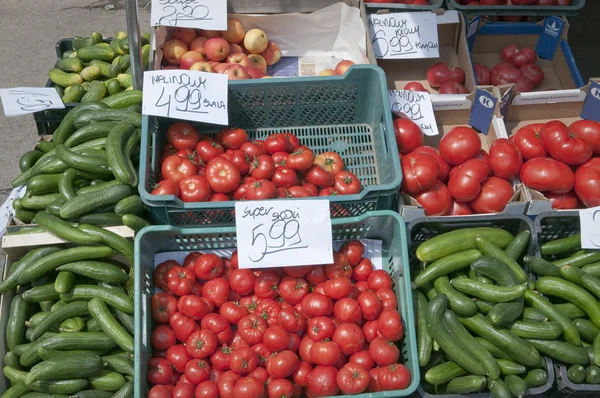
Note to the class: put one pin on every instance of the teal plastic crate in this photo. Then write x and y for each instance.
(349, 114)
(525, 11)
(386, 226)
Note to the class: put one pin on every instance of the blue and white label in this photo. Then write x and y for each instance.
(505, 101)
(482, 111)
(550, 37)
(472, 26)
(591, 106)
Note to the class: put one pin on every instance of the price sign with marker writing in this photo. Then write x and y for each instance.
(416, 106)
(24, 100)
(196, 14)
(279, 233)
(590, 228)
(187, 95)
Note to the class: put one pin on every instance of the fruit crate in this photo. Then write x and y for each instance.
(349, 114)
(385, 226)
(395, 7)
(551, 226)
(423, 229)
(527, 11)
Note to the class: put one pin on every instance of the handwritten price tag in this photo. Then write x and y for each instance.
(187, 95)
(415, 106)
(404, 35)
(279, 233)
(23, 100)
(197, 14)
(590, 228)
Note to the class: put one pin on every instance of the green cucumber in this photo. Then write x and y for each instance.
(125, 392)
(65, 342)
(592, 375)
(586, 329)
(446, 265)
(41, 293)
(70, 310)
(596, 349)
(22, 178)
(537, 330)
(16, 376)
(460, 240)
(101, 219)
(134, 222)
(75, 324)
(92, 394)
(117, 242)
(516, 247)
(88, 202)
(516, 385)
(488, 248)
(64, 230)
(65, 184)
(443, 373)
(28, 260)
(112, 297)
(541, 267)
(126, 320)
(536, 378)
(28, 160)
(458, 302)
(492, 293)
(66, 127)
(130, 205)
(592, 269)
(424, 339)
(508, 367)
(576, 374)
(561, 246)
(484, 306)
(98, 187)
(579, 259)
(119, 364)
(39, 202)
(108, 115)
(64, 281)
(552, 312)
(495, 351)
(45, 146)
(570, 310)
(59, 386)
(89, 132)
(15, 328)
(498, 388)
(106, 380)
(25, 216)
(110, 325)
(560, 350)
(11, 359)
(479, 277)
(466, 385)
(92, 164)
(124, 99)
(16, 391)
(115, 143)
(66, 367)
(97, 270)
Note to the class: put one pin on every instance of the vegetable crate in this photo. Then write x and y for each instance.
(423, 229)
(395, 7)
(552, 226)
(527, 11)
(386, 226)
(348, 114)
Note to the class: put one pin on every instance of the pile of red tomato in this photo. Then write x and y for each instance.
(198, 168)
(561, 161)
(292, 331)
(461, 178)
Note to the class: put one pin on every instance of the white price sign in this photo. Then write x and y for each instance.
(590, 228)
(23, 100)
(404, 35)
(197, 14)
(278, 233)
(416, 106)
(187, 95)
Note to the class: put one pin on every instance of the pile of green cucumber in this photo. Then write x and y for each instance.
(472, 330)
(88, 172)
(568, 275)
(70, 325)
(96, 68)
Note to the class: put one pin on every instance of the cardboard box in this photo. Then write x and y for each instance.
(453, 50)
(308, 45)
(410, 209)
(548, 38)
(518, 116)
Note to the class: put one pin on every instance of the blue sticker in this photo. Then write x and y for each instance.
(550, 37)
(472, 26)
(482, 111)
(286, 67)
(505, 102)
(591, 106)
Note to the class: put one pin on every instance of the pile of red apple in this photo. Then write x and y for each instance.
(234, 52)
(461, 178)
(198, 168)
(518, 66)
(562, 161)
(514, 2)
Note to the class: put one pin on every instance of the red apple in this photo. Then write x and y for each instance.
(203, 66)
(235, 49)
(236, 72)
(482, 74)
(221, 68)
(209, 34)
(214, 63)
(198, 45)
(235, 31)
(272, 54)
(343, 66)
(257, 61)
(255, 73)
(173, 50)
(190, 58)
(256, 41)
(217, 49)
(186, 35)
(241, 59)
(327, 72)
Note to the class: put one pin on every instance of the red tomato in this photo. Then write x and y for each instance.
(183, 326)
(347, 310)
(495, 194)
(319, 176)
(260, 374)
(452, 87)
(322, 381)
(408, 135)
(178, 357)
(208, 150)
(190, 259)
(266, 284)
(261, 190)
(250, 302)
(222, 175)
(384, 352)
(299, 192)
(443, 166)
(163, 306)
(533, 73)
(370, 305)
(388, 298)
(276, 338)
(460, 145)
(216, 290)
(201, 344)
(519, 57)
(180, 280)
(340, 268)
(252, 329)
(325, 352)
(280, 159)
(165, 187)
(262, 353)
(193, 306)
(389, 324)
(304, 350)
(563, 146)
(191, 155)
(419, 171)
(253, 149)
(280, 388)
(320, 328)
(293, 290)
(380, 279)
(206, 389)
(221, 357)
(284, 177)
(241, 281)
(160, 391)
(218, 325)
(233, 312)
(362, 358)
(338, 288)
(262, 167)
(232, 138)
(182, 389)
(226, 384)
(243, 360)
(329, 191)
(350, 338)
(374, 380)
(442, 72)
(249, 387)
(330, 161)
(301, 159)
(163, 337)
(197, 371)
(292, 320)
(546, 174)
(354, 250)
(505, 159)
(482, 74)
(527, 139)
(436, 200)
(241, 160)
(175, 168)
(353, 379)
(159, 371)
(194, 189)
(316, 275)
(465, 180)
(208, 266)
(346, 183)
(394, 377)
(312, 188)
(300, 374)
(362, 271)
(316, 304)
(278, 143)
(182, 135)
(282, 364)
(589, 131)
(563, 201)
(412, 86)
(587, 183)
(460, 209)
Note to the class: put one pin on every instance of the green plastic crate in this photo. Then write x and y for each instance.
(526, 11)
(348, 114)
(386, 226)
